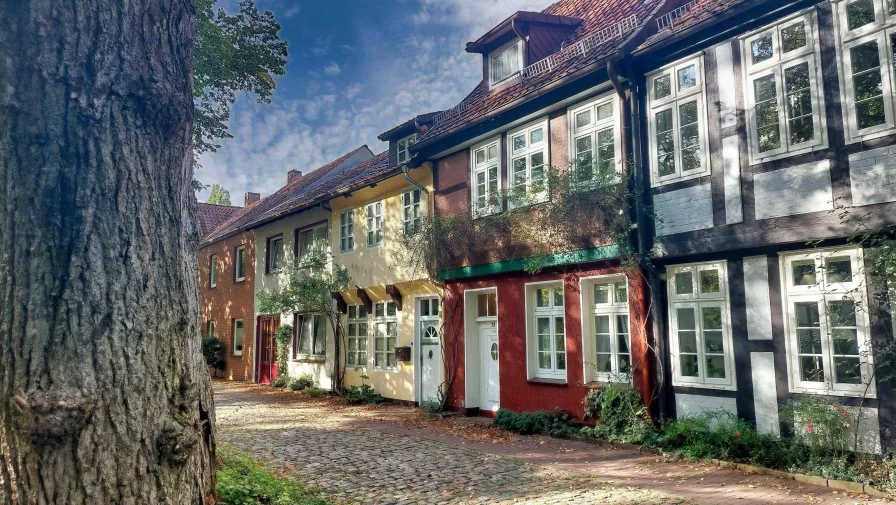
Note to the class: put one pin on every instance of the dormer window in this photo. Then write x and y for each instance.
(404, 146)
(505, 62)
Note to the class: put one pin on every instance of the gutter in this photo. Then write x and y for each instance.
(407, 175)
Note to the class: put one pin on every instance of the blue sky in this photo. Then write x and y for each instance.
(356, 68)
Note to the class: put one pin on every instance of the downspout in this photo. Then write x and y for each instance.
(644, 243)
(407, 175)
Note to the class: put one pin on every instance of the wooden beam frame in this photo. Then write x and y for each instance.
(341, 304)
(365, 298)
(393, 291)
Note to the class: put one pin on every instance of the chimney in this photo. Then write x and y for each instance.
(252, 198)
(293, 175)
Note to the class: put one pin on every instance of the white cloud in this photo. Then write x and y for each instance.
(332, 68)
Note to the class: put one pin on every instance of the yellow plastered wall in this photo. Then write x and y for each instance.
(373, 268)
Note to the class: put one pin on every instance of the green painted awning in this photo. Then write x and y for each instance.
(606, 252)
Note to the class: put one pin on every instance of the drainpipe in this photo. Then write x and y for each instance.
(407, 175)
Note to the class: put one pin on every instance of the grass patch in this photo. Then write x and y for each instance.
(242, 481)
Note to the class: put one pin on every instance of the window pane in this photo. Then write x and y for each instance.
(762, 49)
(601, 293)
(606, 152)
(662, 86)
(605, 111)
(715, 367)
(709, 281)
(891, 6)
(804, 273)
(362, 311)
(604, 361)
(846, 341)
(379, 310)
(542, 298)
(492, 304)
(799, 103)
(583, 118)
(842, 313)
(665, 143)
(621, 292)
(848, 370)
(793, 37)
(480, 156)
(687, 341)
(687, 77)
(519, 173)
(584, 157)
(684, 283)
(839, 270)
(811, 369)
(352, 312)
(712, 318)
(714, 342)
(859, 13)
(767, 119)
(519, 142)
(689, 366)
(536, 136)
(390, 309)
(868, 84)
(492, 152)
(690, 136)
(558, 297)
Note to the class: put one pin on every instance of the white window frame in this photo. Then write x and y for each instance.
(432, 319)
(673, 102)
(823, 290)
(347, 231)
(383, 322)
(526, 153)
(533, 313)
(486, 292)
(613, 308)
(239, 264)
(497, 52)
(495, 197)
(212, 329)
(271, 243)
(374, 214)
(698, 300)
(353, 332)
(776, 66)
(213, 270)
(317, 233)
(595, 127)
(403, 149)
(242, 328)
(880, 30)
(300, 329)
(410, 223)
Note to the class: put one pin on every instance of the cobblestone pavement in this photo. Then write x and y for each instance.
(362, 459)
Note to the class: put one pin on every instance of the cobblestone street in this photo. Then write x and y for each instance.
(392, 455)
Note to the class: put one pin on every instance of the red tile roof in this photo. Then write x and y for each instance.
(210, 216)
(293, 190)
(692, 13)
(596, 15)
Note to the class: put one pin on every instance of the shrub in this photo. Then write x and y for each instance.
(281, 382)
(304, 382)
(316, 392)
(242, 481)
(213, 352)
(363, 394)
(557, 423)
(620, 412)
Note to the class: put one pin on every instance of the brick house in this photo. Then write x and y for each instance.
(226, 279)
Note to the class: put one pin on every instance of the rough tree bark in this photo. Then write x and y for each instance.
(104, 398)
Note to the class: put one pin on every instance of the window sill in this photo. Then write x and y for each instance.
(392, 369)
(699, 385)
(309, 358)
(872, 394)
(547, 382)
(239, 280)
(240, 355)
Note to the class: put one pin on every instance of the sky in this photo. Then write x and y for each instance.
(356, 68)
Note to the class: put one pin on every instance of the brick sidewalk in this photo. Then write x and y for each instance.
(358, 458)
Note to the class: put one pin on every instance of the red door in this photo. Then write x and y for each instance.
(267, 356)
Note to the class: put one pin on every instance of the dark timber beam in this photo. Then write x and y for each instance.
(365, 299)
(393, 291)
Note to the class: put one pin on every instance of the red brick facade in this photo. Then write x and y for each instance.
(229, 301)
(517, 391)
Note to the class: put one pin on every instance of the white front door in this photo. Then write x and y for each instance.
(488, 337)
(430, 349)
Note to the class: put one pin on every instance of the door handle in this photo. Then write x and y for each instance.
(430, 354)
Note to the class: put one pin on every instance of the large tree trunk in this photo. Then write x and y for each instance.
(104, 397)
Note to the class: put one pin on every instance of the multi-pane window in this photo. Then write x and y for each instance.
(237, 337)
(487, 305)
(596, 139)
(528, 148)
(403, 148)
(356, 335)
(213, 271)
(374, 224)
(548, 321)
(311, 335)
(783, 84)
(239, 267)
(486, 178)
(347, 231)
(867, 41)
(702, 354)
(505, 62)
(411, 211)
(385, 334)
(312, 243)
(827, 322)
(610, 337)
(275, 254)
(677, 118)
(429, 320)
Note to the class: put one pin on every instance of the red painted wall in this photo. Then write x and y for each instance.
(517, 392)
